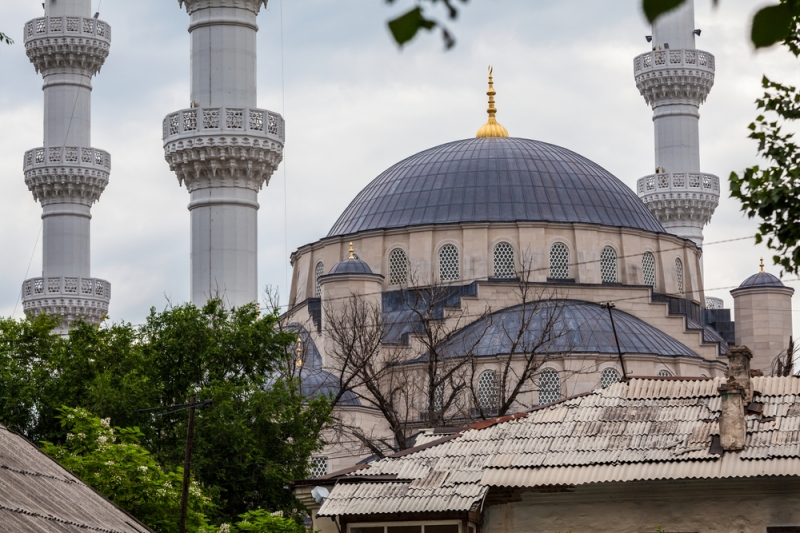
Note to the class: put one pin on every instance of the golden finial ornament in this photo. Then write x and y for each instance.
(491, 128)
(299, 361)
(352, 253)
(762, 265)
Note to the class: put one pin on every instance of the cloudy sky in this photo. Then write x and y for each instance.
(354, 105)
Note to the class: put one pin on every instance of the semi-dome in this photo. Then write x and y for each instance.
(350, 266)
(494, 179)
(567, 326)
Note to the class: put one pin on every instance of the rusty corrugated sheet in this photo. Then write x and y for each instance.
(643, 430)
(37, 495)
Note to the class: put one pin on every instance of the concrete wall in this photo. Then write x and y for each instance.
(763, 322)
(719, 506)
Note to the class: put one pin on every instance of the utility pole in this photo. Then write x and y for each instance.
(187, 458)
(610, 306)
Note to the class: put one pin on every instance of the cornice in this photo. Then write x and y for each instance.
(196, 5)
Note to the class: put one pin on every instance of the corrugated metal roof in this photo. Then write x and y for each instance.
(645, 429)
(37, 495)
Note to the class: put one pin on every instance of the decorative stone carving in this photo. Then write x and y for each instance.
(67, 43)
(223, 147)
(674, 76)
(680, 196)
(70, 298)
(251, 5)
(70, 174)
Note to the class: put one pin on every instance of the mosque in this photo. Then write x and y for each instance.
(618, 273)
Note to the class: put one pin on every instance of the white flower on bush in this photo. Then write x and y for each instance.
(106, 422)
(102, 439)
(143, 468)
(81, 436)
(225, 528)
(70, 436)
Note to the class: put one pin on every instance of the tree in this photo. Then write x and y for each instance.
(113, 462)
(418, 364)
(258, 435)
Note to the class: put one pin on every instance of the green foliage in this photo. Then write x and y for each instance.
(655, 8)
(771, 192)
(258, 434)
(113, 462)
(5, 38)
(407, 26)
(260, 521)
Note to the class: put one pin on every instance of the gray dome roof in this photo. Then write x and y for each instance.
(579, 327)
(314, 379)
(350, 266)
(762, 279)
(494, 180)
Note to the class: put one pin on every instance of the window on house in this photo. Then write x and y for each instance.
(318, 271)
(398, 267)
(649, 269)
(487, 391)
(435, 527)
(608, 377)
(559, 261)
(549, 386)
(448, 263)
(318, 467)
(504, 267)
(679, 274)
(608, 265)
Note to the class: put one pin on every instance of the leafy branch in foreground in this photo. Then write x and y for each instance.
(406, 26)
(5, 38)
(771, 192)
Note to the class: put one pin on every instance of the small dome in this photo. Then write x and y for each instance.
(762, 279)
(350, 266)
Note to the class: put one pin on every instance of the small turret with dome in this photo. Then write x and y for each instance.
(763, 311)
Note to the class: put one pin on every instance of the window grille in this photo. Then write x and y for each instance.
(649, 269)
(559, 261)
(438, 397)
(549, 386)
(504, 267)
(448, 263)
(318, 467)
(398, 267)
(318, 271)
(679, 274)
(664, 374)
(608, 377)
(608, 265)
(487, 391)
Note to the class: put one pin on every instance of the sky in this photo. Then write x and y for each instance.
(354, 105)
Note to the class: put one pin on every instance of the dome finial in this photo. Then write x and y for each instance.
(299, 360)
(352, 254)
(762, 265)
(491, 128)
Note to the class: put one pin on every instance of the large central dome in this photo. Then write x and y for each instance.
(494, 180)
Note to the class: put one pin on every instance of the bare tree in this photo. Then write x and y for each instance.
(783, 364)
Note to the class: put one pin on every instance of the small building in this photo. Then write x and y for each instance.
(683, 454)
(37, 495)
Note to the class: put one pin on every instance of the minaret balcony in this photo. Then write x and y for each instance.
(674, 76)
(223, 146)
(76, 42)
(680, 196)
(67, 173)
(68, 297)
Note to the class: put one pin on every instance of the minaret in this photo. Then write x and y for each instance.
(675, 78)
(224, 149)
(67, 47)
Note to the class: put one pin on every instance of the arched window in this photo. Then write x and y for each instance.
(504, 267)
(448, 263)
(608, 377)
(649, 269)
(318, 467)
(318, 271)
(559, 261)
(679, 274)
(664, 373)
(549, 386)
(398, 267)
(608, 265)
(487, 391)
(438, 397)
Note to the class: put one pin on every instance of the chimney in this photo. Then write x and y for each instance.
(732, 426)
(739, 370)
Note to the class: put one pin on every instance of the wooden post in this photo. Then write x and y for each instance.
(187, 463)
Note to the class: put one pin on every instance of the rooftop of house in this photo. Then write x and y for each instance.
(645, 429)
(38, 495)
